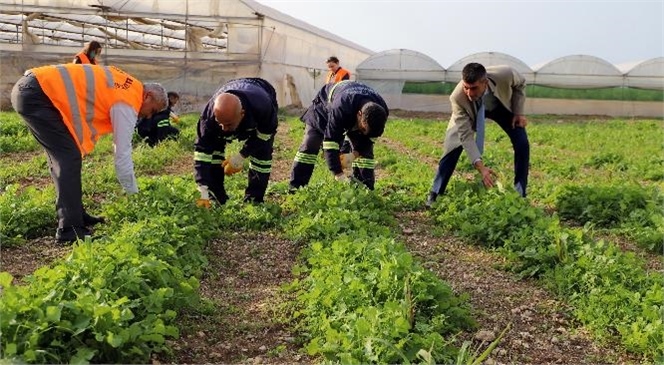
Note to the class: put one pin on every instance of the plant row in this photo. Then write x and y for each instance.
(566, 167)
(361, 296)
(611, 291)
(112, 300)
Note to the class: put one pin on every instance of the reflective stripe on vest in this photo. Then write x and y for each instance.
(329, 96)
(70, 92)
(84, 95)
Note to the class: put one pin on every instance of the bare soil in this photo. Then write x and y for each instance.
(23, 260)
(246, 270)
(246, 324)
(541, 330)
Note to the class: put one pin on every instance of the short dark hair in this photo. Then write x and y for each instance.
(374, 116)
(473, 72)
(173, 94)
(332, 59)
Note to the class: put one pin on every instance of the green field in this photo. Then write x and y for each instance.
(365, 284)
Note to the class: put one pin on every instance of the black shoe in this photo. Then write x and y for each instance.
(430, 200)
(91, 220)
(71, 234)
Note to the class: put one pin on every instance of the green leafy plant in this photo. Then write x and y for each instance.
(25, 214)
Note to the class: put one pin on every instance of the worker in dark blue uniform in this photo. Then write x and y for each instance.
(159, 128)
(345, 109)
(245, 110)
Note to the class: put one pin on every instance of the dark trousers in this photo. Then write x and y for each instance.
(260, 167)
(161, 134)
(64, 157)
(305, 159)
(215, 176)
(258, 176)
(166, 132)
(520, 144)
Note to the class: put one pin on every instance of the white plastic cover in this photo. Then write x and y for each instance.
(191, 46)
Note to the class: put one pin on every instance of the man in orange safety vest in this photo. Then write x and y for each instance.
(67, 108)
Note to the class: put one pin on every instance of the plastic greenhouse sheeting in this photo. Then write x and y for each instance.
(190, 46)
(575, 71)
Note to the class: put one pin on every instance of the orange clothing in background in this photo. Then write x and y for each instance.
(84, 58)
(335, 77)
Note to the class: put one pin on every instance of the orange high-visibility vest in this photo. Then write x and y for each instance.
(84, 58)
(84, 95)
(341, 74)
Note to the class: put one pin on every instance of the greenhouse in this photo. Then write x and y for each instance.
(388, 71)
(194, 46)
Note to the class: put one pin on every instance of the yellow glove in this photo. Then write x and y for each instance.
(174, 118)
(346, 160)
(203, 203)
(341, 178)
(233, 165)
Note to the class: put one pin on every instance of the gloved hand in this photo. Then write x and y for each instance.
(174, 118)
(346, 160)
(204, 201)
(341, 177)
(233, 165)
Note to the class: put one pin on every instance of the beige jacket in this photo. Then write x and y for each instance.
(508, 85)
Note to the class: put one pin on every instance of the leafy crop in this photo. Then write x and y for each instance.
(361, 297)
(15, 135)
(25, 214)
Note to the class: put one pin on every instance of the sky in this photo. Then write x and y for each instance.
(533, 31)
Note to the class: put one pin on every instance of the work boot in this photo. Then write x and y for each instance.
(430, 200)
(71, 234)
(91, 220)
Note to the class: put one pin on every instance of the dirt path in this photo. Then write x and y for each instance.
(542, 331)
(23, 260)
(242, 284)
(242, 324)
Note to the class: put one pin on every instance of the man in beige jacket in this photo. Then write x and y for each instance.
(497, 93)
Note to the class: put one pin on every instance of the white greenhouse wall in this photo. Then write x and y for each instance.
(193, 46)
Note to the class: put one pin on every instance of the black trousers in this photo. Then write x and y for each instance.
(64, 157)
(260, 168)
(258, 175)
(305, 159)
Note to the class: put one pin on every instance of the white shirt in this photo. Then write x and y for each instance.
(123, 119)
